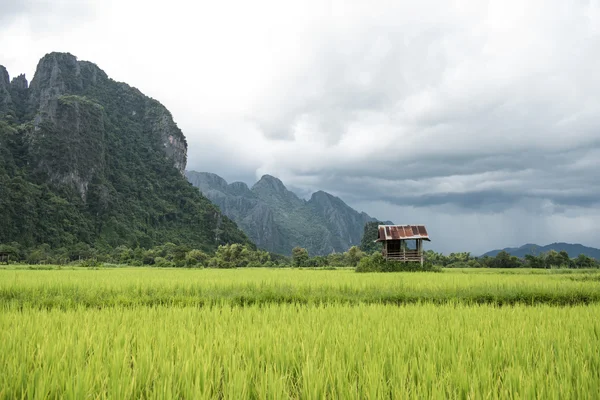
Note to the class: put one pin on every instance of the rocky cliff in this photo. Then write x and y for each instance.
(88, 159)
(278, 220)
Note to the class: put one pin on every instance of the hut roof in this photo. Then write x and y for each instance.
(402, 232)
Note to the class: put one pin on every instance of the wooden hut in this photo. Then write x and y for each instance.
(4, 257)
(402, 242)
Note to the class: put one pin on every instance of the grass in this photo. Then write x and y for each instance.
(273, 333)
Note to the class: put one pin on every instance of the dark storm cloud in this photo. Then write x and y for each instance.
(480, 115)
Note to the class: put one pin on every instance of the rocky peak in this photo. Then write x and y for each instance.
(239, 188)
(4, 78)
(323, 198)
(271, 184)
(19, 83)
(206, 180)
(61, 75)
(56, 74)
(91, 73)
(162, 125)
(5, 99)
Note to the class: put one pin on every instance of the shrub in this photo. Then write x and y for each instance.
(93, 263)
(376, 263)
(373, 263)
(195, 257)
(458, 264)
(161, 262)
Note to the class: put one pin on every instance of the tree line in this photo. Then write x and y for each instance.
(551, 259)
(240, 255)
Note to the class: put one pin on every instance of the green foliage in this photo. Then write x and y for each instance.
(583, 261)
(534, 262)
(377, 263)
(238, 256)
(561, 259)
(300, 257)
(196, 258)
(12, 250)
(96, 172)
(161, 262)
(503, 259)
(354, 256)
(367, 242)
(372, 263)
(337, 260)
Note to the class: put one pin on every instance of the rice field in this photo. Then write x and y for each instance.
(309, 334)
(132, 287)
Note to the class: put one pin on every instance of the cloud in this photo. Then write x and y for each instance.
(42, 16)
(473, 113)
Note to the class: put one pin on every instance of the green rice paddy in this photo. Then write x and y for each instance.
(302, 334)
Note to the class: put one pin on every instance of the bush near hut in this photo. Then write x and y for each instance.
(376, 263)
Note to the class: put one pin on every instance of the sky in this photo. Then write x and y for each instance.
(479, 119)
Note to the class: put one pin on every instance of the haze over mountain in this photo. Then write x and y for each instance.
(88, 160)
(276, 219)
(572, 249)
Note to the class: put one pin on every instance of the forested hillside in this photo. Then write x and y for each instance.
(88, 161)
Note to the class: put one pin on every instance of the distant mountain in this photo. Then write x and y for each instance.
(88, 160)
(277, 220)
(572, 249)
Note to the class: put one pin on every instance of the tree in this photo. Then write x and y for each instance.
(337, 259)
(459, 257)
(40, 255)
(553, 259)
(237, 256)
(299, 256)
(583, 261)
(318, 261)
(122, 254)
(565, 259)
(195, 257)
(229, 256)
(12, 251)
(505, 260)
(534, 262)
(370, 232)
(354, 255)
(436, 258)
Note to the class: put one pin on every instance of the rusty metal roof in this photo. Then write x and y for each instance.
(402, 232)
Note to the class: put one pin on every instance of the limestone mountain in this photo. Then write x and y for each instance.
(277, 220)
(86, 159)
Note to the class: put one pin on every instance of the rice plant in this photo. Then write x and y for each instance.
(307, 352)
(275, 334)
(132, 287)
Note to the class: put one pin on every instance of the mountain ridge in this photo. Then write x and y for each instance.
(277, 220)
(573, 249)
